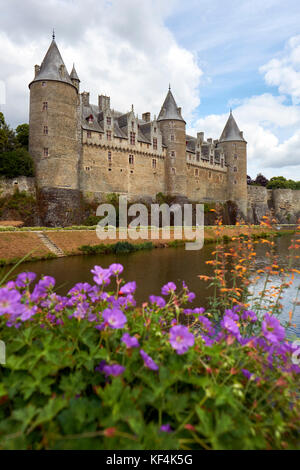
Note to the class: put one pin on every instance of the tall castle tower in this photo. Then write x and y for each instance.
(172, 127)
(235, 150)
(54, 135)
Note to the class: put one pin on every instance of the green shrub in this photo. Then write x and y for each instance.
(16, 163)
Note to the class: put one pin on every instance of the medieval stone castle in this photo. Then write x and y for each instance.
(85, 151)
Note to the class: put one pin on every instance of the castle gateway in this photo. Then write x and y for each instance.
(83, 151)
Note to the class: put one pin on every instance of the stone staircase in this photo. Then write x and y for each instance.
(50, 244)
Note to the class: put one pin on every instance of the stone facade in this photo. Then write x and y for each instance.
(93, 150)
(8, 186)
(284, 203)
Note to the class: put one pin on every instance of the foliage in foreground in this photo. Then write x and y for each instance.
(93, 371)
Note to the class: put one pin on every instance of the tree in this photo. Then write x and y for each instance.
(249, 180)
(22, 134)
(18, 162)
(7, 136)
(261, 180)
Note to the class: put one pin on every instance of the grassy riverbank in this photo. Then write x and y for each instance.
(15, 243)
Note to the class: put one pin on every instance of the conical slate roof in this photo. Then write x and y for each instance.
(74, 75)
(50, 68)
(169, 109)
(231, 131)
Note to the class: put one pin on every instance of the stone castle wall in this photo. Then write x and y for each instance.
(284, 202)
(206, 184)
(22, 183)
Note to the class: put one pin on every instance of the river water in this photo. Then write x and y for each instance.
(152, 269)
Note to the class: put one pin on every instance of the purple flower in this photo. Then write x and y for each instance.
(247, 374)
(125, 301)
(128, 288)
(100, 366)
(114, 317)
(181, 339)
(47, 282)
(250, 316)
(191, 296)
(116, 269)
(208, 341)
(188, 311)
(272, 330)
(9, 301)
(168, 288)
(101, 276)
(25, 279)
(130, 341)
(159, 301)
(113, 370)
(80, 288)
(200, 310)
(28, 313)
(148, 361)
(228, 324)
(40, 289)
(166, 428)
(81, 310)
(232, 314)
(206, 325)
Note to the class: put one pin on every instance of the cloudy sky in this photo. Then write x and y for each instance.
(216, 54)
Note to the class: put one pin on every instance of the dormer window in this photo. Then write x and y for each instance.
(132, 124)
(90, 119)
(154, 143)
(108, 121)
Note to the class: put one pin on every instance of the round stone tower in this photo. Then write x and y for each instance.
(54, 137)
(235, 150)
(172, 127)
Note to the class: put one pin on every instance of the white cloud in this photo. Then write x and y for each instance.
(124, 50)
(262, 118)
(284, 72)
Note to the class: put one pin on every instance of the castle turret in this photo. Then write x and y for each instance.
(74, 77)
(172, 127)
(54, 131)
(235, 150)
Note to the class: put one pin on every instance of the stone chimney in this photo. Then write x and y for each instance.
(200, 136)
(209, 140)
(146, 117)
(104, 102)
(85, 98)
(37, 69)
